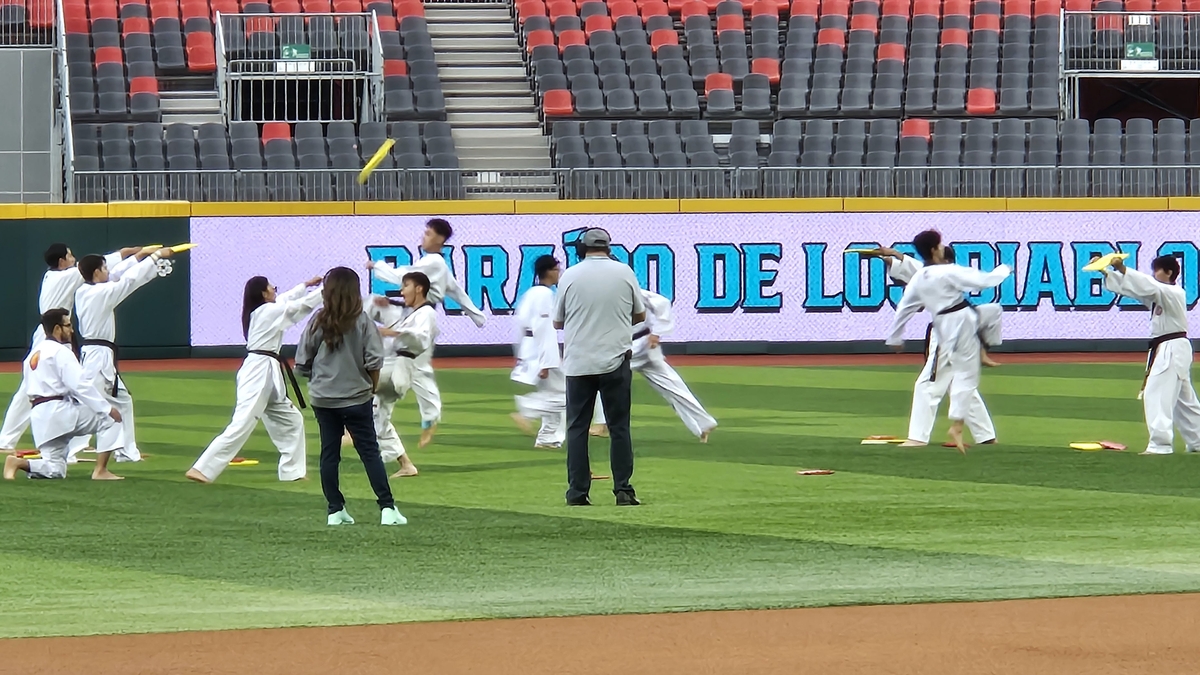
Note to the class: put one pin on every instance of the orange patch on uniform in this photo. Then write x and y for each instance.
(37, 356)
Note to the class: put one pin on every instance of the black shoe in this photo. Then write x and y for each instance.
(627, 499)
(579, 501)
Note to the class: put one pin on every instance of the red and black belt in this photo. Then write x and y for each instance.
(38, 400)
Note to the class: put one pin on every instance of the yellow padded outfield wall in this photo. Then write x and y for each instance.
(171, 209)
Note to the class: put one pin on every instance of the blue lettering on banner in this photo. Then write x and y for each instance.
(873, 297)
(758, 279)
(396, 256)
(451, 307)
(815, 299)
(1124, 302)
(982, 257)
(895, 289)
(1006, 251)
(526, 277)
(718, 291)
(1186, 252)
(487, 273)
(1090, 293)
(662, 259)
(1045, 276)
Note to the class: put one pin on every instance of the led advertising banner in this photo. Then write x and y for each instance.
(732, 277)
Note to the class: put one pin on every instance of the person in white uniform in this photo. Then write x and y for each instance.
(1168, 398)
(929, 389)
(442, 284)
(96, 303)
(649, 361)
(65, 403)
(939, 287)
(539, 360)
(59, 283)
(262, 392)
(412, 343)
(395, 379)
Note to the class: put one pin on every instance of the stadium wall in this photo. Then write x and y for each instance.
(746, 276)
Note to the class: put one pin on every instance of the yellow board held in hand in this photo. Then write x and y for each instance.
(376, 160)
(1104, 261)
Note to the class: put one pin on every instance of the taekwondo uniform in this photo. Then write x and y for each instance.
(1167, 394)
(957, 326)
(58, 292)
(262, 392)
(649, 361)
(65, 404)
(537, 350)
(413, 349)
(96, 305)
(931, 389)
(442, 284)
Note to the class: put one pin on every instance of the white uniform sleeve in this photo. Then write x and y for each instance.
(392, 275)
(1134, 284)
(117, 266)
(416, 335)
(659, 317)
(908, 307)
(544, 335)
(971, 279)
(114, 292)
(293, 293)
(453, 290)
(902, 270)
(297, 309)
(80, 387)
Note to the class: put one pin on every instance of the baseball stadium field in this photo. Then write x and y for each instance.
(724, 526)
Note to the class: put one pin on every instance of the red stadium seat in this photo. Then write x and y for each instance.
(387, 23)
(897, 7)
(1078, 5)
(808, 8)
(560, 9)
(134, 25)
(651, 8)
(557, 103)
(1139, 5)
(865, 22)
(716, 81)
(108, 55)
(347, 6)
(571, 37)
(764, 8)
(986, 22)
(201, 54)
(40, 13)
(404, 8)
(225, 7)
(76, 24)
(394, 67)
(276, 131)
(954, 36)
(835, 7)
(622, 8)
(831, 36)
(693, 8)
(766, 66)
(260, 24)
(1018, 8)
(981, 102)
(143, 85)
(733, 22)
(676, 6)
(927, 8)
(915, 128)
(286, 6)
(597, 23)
(891, 52)
(1169, 5)
(316, 6)
(956, 8)
(529, 8)
(539, 38)
(663, 36)
(102, 11)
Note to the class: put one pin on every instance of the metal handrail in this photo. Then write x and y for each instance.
(64, 113)
(222, 69)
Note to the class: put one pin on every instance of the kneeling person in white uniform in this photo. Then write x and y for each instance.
(649, 361)
(412, 343)
(262, 392)
(1167, 394)
(539, 360)
(65, 403)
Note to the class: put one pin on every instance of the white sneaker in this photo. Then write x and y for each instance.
(340, 518)
(391, 516)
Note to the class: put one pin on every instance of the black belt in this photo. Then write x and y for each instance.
(38, 400)
(406, 354)
(641, 334)
(956, 308)
(528, 333)
(287, 369)
(116, 360)
(1154, 344)
(929, 332)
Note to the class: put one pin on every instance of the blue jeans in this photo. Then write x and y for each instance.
(359, 420)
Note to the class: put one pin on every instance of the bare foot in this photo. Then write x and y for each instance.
(106, 475)
(547, 446)
(522, 423)
(956, 437)
(988, 361)
(194, 475)
(704, 437)
(912, 444)
(407, 468)
(10, 467)
(427, 436)
(599, 430)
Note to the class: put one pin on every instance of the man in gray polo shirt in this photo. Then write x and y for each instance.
(598, 302)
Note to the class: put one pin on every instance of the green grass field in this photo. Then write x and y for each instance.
(724, 525)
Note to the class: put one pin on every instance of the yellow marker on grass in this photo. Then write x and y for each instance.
(376, 160)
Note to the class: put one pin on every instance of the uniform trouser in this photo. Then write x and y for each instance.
(927, 397)
(358, 420)
(118, 438)
(582, 392)
(1169, 400)
(391, 448)
(547, 403)
(16, 419)
(284, 425)
(53, 462)
(429, 398)
(663, 379)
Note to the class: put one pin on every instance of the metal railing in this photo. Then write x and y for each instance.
(631, 183)
(63, 114)
(1129, 43)
(271, 68)
(25, 33)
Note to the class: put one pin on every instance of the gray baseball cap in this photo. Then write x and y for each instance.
(595, 238)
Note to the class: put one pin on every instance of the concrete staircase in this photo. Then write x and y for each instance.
(491, 109)
(190, 99)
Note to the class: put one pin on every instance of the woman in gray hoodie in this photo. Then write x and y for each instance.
(341, 352)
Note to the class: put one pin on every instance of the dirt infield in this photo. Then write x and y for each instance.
(679, 360)
(1081, 636)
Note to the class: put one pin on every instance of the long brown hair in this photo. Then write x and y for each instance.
(342, 305)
